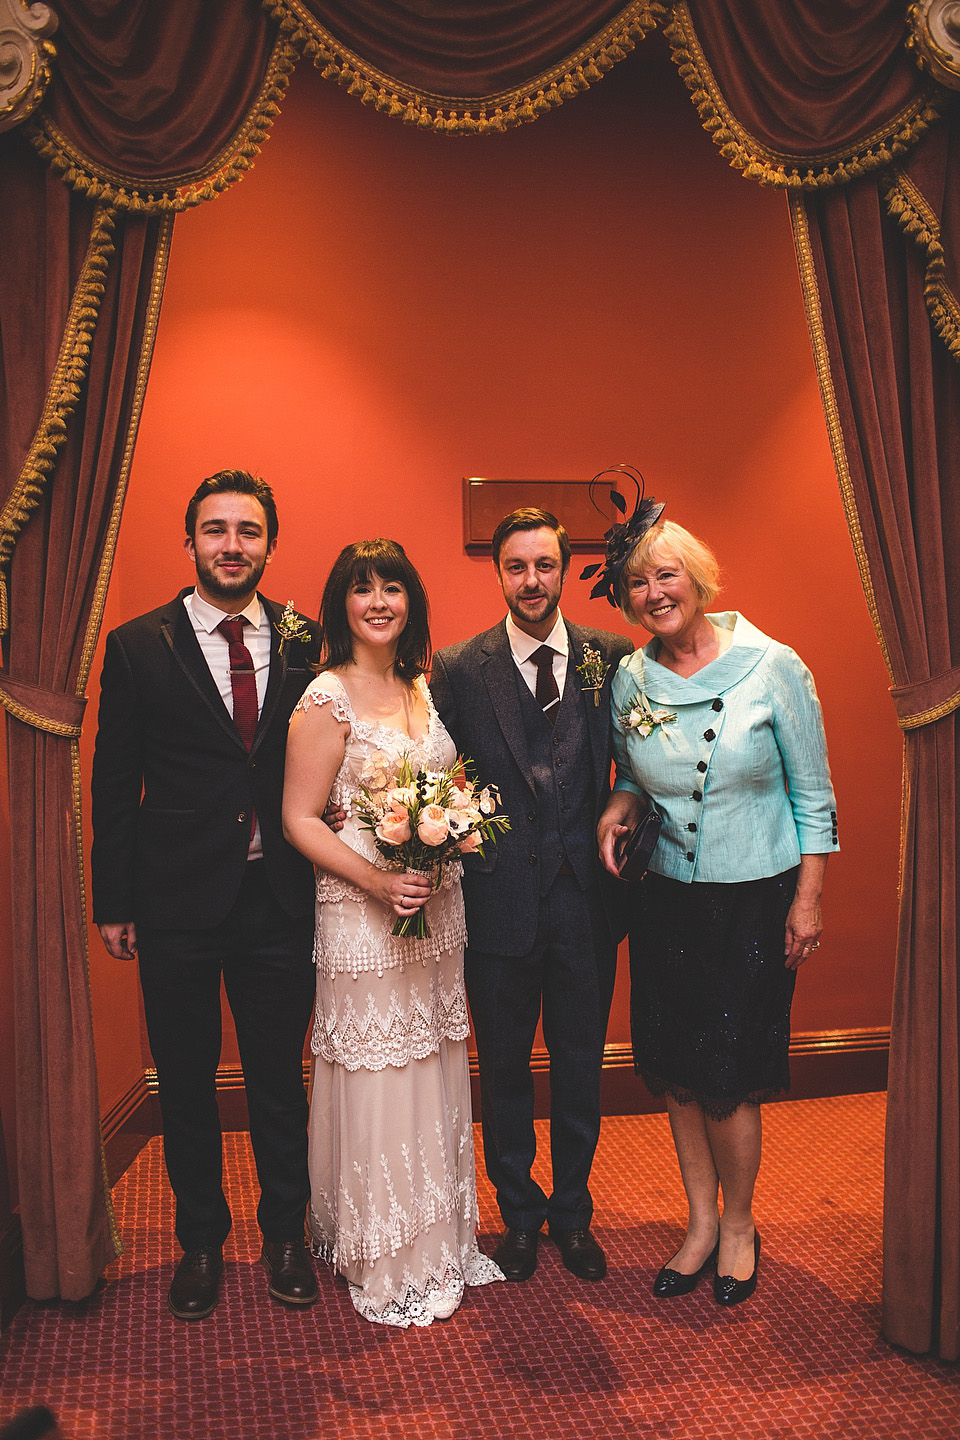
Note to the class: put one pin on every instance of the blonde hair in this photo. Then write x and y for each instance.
(670, 539)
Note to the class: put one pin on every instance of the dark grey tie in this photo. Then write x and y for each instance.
(547, 694)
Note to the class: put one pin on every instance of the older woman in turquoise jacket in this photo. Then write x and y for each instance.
(720, 726)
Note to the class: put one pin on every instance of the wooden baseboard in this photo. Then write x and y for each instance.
(129, 1124)
(822, 1062)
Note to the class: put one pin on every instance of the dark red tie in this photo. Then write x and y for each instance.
(547, 694)
(243, 680)
(243, 683)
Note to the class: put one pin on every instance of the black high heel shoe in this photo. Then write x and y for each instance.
(728, 1291)
(672, 1282)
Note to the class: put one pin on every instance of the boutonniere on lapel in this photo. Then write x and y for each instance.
(594, 671)
(291, 626)
(638, 716)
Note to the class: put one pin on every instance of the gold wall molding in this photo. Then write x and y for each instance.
(935, 39)
(25, 56)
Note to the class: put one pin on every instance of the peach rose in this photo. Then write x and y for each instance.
(432, 827)
(394, 828)
(470, 843)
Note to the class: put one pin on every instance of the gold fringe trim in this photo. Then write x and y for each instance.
(465, 114)
(926, 717)
(157, 282)
(170, 192)
(811, 304)
(62, 396)
(907, 205)
(875, 151)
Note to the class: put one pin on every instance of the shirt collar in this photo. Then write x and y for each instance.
(207, 617)
(523, 645)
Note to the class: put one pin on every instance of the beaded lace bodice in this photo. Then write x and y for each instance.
(362, 940)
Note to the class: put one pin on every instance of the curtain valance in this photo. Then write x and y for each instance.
(157, 107)
(807, 94)
(160, 107)
(465, 70)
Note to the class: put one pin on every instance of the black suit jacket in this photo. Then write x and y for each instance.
(474, 688)
(173, 783)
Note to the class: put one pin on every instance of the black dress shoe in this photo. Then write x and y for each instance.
(195, 1288)
(580, 1253)
(291, 1272)
(728, 1291)
(674, 1282)
(517, 1253)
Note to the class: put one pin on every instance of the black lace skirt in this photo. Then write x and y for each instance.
(710, 992)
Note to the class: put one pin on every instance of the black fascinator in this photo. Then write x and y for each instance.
(621, 539)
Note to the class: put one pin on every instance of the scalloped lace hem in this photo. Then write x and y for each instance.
(414, 1300)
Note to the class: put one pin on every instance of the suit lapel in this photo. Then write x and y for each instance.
(500, 677)
(180, 635)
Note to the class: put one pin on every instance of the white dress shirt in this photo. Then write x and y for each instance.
(205, 618)
(522, 646)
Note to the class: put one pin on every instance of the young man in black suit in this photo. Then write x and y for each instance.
(543, 917)
(192, 874)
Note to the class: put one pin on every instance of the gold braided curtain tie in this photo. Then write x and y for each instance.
(925, 701)
(465, 114)
(52, 711)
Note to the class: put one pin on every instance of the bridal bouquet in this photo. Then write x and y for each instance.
(422, 819)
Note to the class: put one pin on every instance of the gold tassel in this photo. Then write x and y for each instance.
(910, 209)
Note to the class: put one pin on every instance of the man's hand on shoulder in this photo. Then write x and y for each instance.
(120, 939)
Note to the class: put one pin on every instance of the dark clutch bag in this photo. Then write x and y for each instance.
(635, 849)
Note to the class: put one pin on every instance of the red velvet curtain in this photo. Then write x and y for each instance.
(897, 393)
(66, 1220)
(878, 260)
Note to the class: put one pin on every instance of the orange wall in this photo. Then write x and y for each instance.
(374, 313)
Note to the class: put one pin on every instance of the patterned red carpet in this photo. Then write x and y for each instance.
(553, 1357)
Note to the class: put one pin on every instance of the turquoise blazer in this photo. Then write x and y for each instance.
(740, 777)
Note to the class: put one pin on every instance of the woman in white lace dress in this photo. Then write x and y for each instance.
(393, 1186)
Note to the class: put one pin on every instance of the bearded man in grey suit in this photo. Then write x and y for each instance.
(543, 917)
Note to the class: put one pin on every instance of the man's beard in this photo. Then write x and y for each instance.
(515, 607)
(229, 587)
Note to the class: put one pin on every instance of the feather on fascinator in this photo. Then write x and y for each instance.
(621, 539)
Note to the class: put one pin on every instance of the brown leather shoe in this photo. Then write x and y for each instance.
(581, 1254)
(195, 1288)
(292, 1277)
(517, 1253)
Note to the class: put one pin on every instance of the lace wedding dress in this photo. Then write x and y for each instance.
(393, 1187)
